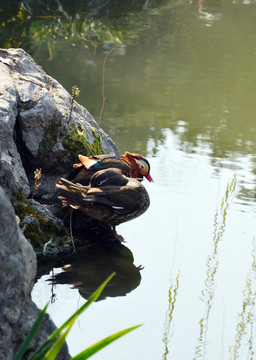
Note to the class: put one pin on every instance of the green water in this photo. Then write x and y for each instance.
(189, 65)
(180, 87)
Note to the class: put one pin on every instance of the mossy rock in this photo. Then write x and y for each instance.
(44, 235)
(75, 143)
(51, 136)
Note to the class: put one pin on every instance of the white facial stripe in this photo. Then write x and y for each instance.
(142, 164)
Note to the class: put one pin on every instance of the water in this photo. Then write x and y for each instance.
(180, 90)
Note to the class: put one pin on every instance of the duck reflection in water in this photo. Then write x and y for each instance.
(89, 267)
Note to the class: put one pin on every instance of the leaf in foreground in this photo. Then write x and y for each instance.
(39, 354)
(31, 334)
(101, 344)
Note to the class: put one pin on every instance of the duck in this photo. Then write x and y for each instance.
(112, 198)
(131, 165)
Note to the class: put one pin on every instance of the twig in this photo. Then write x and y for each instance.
(37, 184)
(103, 86)
(75, 93)
(71, 232)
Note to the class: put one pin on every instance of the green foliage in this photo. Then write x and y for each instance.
(31, 334)
(34, 24)
(50, 349)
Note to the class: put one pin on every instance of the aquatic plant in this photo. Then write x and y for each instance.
(52, 346)
(212, 264)
(172, 298)
(103, 87)
(246, 318)
(38, 25)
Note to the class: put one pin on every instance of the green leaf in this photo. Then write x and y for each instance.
(45, 347)
(101, 344)
(55, 349)
(24, 346)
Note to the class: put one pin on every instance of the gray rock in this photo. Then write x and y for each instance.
(17, 311)
(35, 133)
(12, 174)
(34, 127)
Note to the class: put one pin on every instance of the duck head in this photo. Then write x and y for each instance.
(140, 166)
(134, 164)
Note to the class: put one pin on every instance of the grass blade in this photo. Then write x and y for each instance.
(31, 334)
(45, 347)
(101, 344)
(55, 349)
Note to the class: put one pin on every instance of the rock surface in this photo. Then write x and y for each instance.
(34, 128)
(18, 269)
(36, 132)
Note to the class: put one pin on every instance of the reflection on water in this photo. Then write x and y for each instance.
(168, 329)
(181, 90)
(88, 267)
(212, 264)
(210, 11)
(246, 318)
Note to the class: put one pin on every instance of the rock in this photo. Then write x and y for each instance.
(45, 231)
(35, 131)
(17, 311)
(12, 174)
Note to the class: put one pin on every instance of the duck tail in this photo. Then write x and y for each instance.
(71, 194)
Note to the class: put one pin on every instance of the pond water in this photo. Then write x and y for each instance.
(181, 91)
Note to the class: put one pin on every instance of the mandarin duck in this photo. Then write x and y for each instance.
(132, 165)
(112, 198)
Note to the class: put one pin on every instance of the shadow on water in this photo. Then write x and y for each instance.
(88, 267)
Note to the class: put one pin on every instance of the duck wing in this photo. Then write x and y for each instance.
(71, 194)
(121, 199)
(102, 162)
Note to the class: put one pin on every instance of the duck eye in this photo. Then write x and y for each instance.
(140, 164)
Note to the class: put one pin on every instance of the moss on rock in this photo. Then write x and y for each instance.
(45, 236)
(51, 136)
(75, 143)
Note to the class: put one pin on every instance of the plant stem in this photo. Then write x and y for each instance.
(103, 87)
